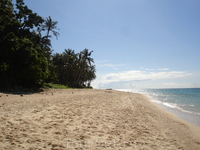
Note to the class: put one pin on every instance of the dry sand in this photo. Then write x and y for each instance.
(90, 119)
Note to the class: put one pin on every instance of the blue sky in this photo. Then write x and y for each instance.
(136, 43)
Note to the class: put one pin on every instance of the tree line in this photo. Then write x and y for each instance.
(26, 58)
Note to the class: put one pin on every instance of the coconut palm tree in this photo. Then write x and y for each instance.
(50, 26)
(85, 61)
(43, 42)
(86, 56)
(91, 75)
(74, 69)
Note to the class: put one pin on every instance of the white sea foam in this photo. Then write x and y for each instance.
(125, 90)
(156, 101)
(189, 111)
(164, 97)
(165, 104)
(170, 105)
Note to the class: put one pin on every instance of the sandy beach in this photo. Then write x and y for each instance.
(90, 119)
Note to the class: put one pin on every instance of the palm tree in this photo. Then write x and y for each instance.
(43, 42)
(59, 69)
(91, 75)
(74, 69)
(86, 56)
(84, 65)
(70, 58)
(50, 26)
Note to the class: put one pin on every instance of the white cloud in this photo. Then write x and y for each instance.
(158, 69)
(136, 75)
(142, 78)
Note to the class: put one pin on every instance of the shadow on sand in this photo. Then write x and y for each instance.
(22, 91)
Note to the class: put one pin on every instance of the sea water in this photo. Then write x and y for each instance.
(184, 102)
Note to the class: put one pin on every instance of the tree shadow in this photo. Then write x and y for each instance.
(22, 91)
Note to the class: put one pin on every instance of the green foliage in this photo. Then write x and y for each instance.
(74, 69)
(55, 86)
(25, 54)
(50, 26)
(22, 61)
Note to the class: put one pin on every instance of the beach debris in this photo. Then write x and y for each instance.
(21, 95)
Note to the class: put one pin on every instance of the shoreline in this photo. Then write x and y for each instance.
(91, 119)
(188, 116)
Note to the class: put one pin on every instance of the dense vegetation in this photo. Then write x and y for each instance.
(26, 58)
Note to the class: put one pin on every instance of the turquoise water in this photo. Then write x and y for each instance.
(183, 102)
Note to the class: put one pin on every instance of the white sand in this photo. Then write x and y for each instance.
(90, 119)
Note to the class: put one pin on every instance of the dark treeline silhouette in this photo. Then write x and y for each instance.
(26, 58)
(74, 69)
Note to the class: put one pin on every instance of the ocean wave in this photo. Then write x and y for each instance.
(157, 96)
(174, 106)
